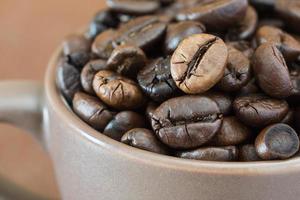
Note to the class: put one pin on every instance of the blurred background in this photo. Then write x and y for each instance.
(30, 31)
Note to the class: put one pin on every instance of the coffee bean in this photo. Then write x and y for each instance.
(290, 12)
(156, 81)
(68, 79)
(216, 15)
(243, 46)
(278, 141)
(127, 60)
(105, 43)
(223, 101)
(199, 63)
(177, 32)
(271, 71)
(248, 153)
(186, 122)
(259, 110)
(232, 132)
(123, 122)
(150, 109)
(246, 27)
(88, 72)
(287, 44)
(144, 139)
(133, 7)
(249, 88)
(91, 110)
(229, 153)
(117, 91)
(237, 73)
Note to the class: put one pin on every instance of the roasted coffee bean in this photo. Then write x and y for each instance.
(243, 46)
(150, 109)
(216, 15)
(290, 12)
(91, 110)
(248, 153)
(278, 141)
(286, 43)
(199, 63)
(68, 79)
(259, 110)
(289, 118)
(177, 32)
(223, 101)
(88, 72)
(105, 43)
(127, 60)
(249, 88)
(156, 81)
(123, 122)
(117, 91)
(144, 139)
(144, 32)
(232, 132)
(246, 27)
(229, 153)
(187, 121)
(133, 7)
(237, 72)
(271, 71)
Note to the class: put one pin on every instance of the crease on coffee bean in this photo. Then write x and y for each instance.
(120, 85)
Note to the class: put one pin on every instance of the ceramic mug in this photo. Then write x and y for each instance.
(91, 166)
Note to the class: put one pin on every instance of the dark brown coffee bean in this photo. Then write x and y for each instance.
(91, 110)
(105, 43)
(232, 132)
(123, 122)
(249, 88)
(287, 44)
(68, 79)
(133, 7)
(144, 32)
(127, 60)
(278, 141)
(199, 63)
(156, 81)
(229, 153)
(243, 46)
(237, 72)
(88, 72)
(259, 110)
(216, 15)
(246, 27)
(117, 91)
(186, 122)
(177, 32)
(290, 12)
(144, 139)
(271, 71)
(223, 101)
(248, 153)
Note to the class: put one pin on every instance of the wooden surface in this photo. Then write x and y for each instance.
(30, 31)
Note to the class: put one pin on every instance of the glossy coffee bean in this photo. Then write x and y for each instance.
(144, 32)
(187, 121)
(127, 60)
(144, 139)
(91, 110)
(133, 7)
(68, 79)
(216, 15)
(246, 27)
(289, 10)
(117, 91)
(88, 72)
(243, 46)
(237, 72)
(229, 153)
(271, 71)
(286, 43)
(259, 110)
(156, 81)
(250, 88)
(199, 63)
(177, 32)
(248, 153)
(105, 43)
(232, 132)
(223, 101)
(278, 141)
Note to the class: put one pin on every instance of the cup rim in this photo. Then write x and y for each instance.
(58, 104)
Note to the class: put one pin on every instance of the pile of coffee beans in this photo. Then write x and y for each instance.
(214, 80)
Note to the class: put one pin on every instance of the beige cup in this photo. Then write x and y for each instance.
(91, 166)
